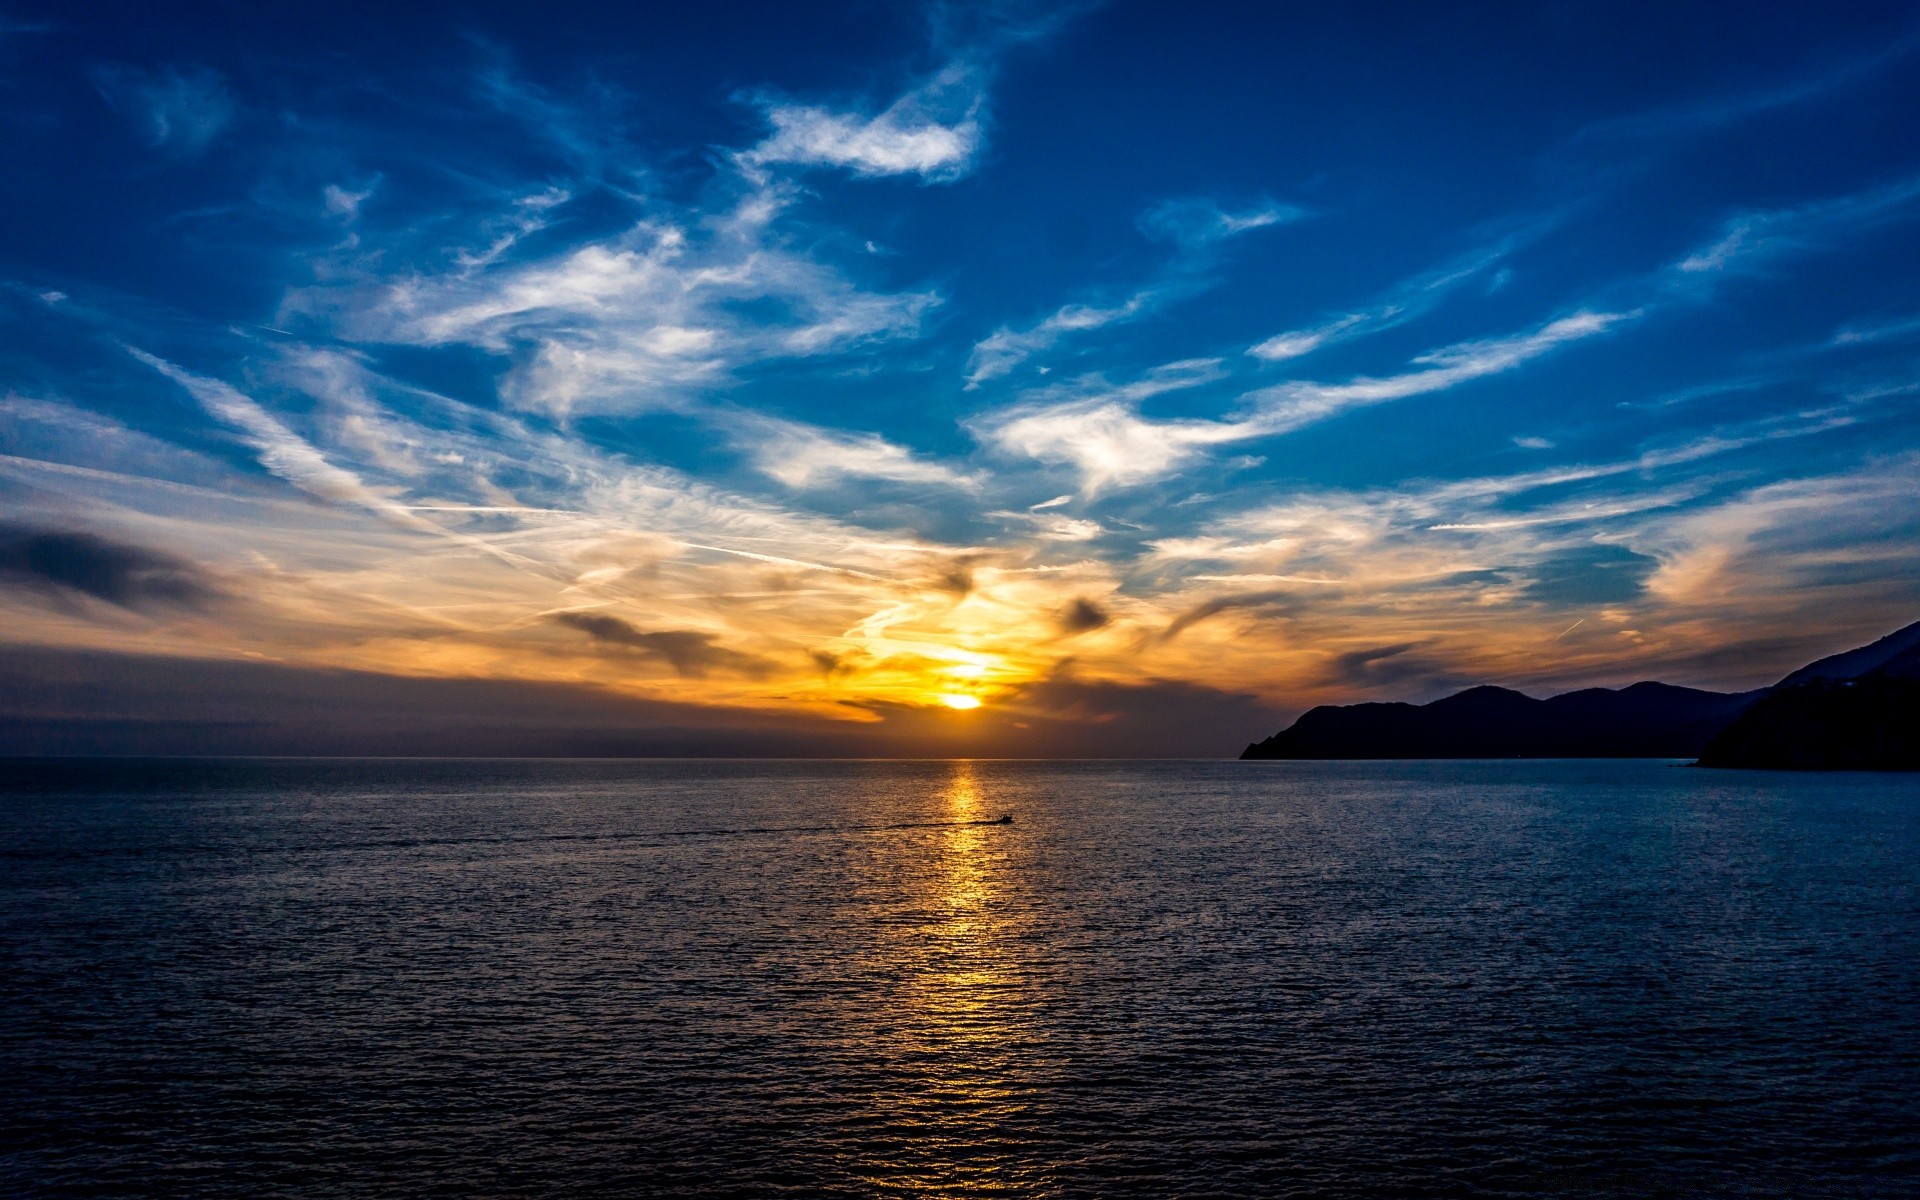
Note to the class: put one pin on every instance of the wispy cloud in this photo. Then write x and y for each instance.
(296, 460)
(1878, 331)
(1292, 405)
(638, 320)
(1196, 222)
(1107, 440)
(934, 131)
(1052, 526)
(1404, 302)
(1749, 239)
(281, 450)
(1709, 113)
(1005, 348)
(804, 456)
(179, 109)
(1196, 226)
(1096, 428)
(1494, 578)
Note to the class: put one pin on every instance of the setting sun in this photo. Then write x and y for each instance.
(957, 700)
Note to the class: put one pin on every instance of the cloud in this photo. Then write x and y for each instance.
(1750, 238)
(690, 653)
(640, 320)
(597, 497)
(1195, 222)
(1195, 225)
(282, 451)
(588, 128)
(68, 563)
(71, 701)
(1900, 328)
(1263, 603)
(345, 203)
(1005, 348)
(1147, 718)
(933, 131)
(1815, 543)
(294, 459)
(804, 456)
(1108, 443)
(550, 279)
(1099, 433)
(1292, 405)
(53, 702)
(1083, 616)
(1112, 445)
(1711, 113)
(1641, 547)
(1394, 666)
(1052, 526)
(181, 110)
(1407, 300)
(1297, 342)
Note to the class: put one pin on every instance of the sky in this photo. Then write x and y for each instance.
(956, 379)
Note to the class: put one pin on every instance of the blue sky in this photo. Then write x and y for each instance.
(854, 365)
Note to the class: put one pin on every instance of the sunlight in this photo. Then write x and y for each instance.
(959, 700)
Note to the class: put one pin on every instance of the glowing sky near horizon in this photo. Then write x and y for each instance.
(881, 363)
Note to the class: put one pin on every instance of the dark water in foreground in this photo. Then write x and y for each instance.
(379, 978)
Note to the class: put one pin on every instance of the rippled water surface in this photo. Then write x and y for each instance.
(570, 978)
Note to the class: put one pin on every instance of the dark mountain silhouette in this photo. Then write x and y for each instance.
(1866, 724)
(1896, 655)
(1852, 709)
(1858, 711)
(1647, 720)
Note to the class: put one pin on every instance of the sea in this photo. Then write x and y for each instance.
(348, 978)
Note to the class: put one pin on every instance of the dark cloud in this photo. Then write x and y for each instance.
(1278, 604)
(94, 702)
(68, 565)
(1082, 616)
(689, 653)
(1360, 664)
(1064, 716)
(1381, 666)
(833, 665)
(957, 579)
(1157, 718)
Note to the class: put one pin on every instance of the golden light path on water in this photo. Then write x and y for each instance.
(971, 1005)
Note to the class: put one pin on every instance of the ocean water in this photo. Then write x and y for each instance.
(378, 978)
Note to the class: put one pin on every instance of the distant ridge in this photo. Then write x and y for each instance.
(1646, 720)
(1896, 655)
(1854, 710)
(1857, 711)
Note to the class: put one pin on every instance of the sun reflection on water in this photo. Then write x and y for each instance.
(970, 1005)
(963, 956)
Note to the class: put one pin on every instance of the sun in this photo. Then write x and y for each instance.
(960, 700)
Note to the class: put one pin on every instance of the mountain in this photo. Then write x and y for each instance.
(1896, 655)
(1866, 724)
(1857, 711)
(1847, 710)
(1647, 720)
